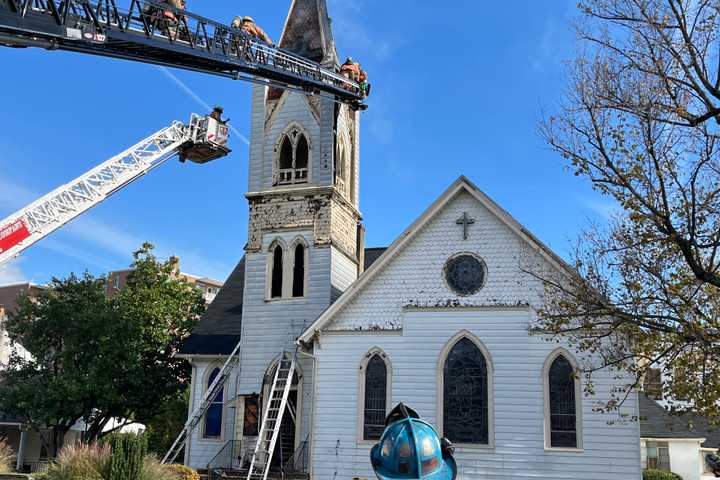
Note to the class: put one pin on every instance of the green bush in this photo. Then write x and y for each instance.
(119, 457)
(7, 456)
(128, 456)
(154, 470)
(660, 475)
(79, 462)
(181, 472)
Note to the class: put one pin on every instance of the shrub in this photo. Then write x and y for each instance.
(154, 470)
(7, 455)
(79, 462)
(660, 475)
(128, 456)
(181, 472)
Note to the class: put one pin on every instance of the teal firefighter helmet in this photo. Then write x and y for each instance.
(410, 448)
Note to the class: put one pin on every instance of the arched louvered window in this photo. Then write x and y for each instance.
(562, 404)
(214, 414)
(286, 154)
(376, 394)
(302, 153)
(293, 157)
(276, 287)
(466, 410)
(299, 271)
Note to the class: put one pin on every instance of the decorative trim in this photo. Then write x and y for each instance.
(361, 390)
(490, 387)
(558, 352)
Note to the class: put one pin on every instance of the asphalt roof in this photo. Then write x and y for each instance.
(657, 422)
(219, 329)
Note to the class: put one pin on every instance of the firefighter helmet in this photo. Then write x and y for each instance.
(410, 448)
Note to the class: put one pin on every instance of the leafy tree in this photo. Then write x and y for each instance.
(641, 121)
(163, 428)
(97, 359)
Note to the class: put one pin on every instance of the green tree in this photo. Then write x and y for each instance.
(641, 122)
(98, 359)
(163, 428)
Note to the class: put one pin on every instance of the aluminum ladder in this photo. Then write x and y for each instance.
(202, 408)
(272, 418)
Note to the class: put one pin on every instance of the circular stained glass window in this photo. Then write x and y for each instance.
(465, 274)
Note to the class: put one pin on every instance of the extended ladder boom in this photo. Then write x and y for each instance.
(151, 32)
(50, 212)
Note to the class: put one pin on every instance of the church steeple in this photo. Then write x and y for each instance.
(308, 32)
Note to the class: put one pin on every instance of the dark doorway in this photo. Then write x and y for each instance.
(285, 445)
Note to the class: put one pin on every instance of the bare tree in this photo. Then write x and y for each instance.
(641, 121)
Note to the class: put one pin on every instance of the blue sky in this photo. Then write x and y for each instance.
(456, 90)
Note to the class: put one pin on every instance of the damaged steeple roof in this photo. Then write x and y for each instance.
(308, 32)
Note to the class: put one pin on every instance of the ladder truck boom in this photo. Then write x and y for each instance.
(202, 140)
(138, 32)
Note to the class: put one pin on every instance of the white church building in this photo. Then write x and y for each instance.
(439, 320)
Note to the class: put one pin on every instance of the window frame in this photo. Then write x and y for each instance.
(270, 267)
(440, 413)
(361, 390)
(546, 403)
(294, 142)
(206, 383)
(658, 444)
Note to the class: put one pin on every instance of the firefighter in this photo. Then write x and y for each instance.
(248, 25)
(350, 70)
(172, 21)
(411, 448)
(217, 114)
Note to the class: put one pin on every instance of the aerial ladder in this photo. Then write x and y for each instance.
(201, 140)
(140, 31)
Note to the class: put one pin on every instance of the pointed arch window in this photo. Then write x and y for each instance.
(214, 414)
(375, 394)
(299, 271)
(293, 157)
(562, 403)
(276, 282)
(465, 391)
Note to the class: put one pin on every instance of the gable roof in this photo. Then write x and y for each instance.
(218, 331)
(462, 184)
(656, 422)
(308, 32)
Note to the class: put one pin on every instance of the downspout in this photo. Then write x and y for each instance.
(311, 446)
(191, 403)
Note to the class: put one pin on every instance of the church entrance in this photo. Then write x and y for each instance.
(289, 429)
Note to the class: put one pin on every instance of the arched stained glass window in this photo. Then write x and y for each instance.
(214, 414)
(276, 289)
(563, 412)
(465, 394)
(299, 272)
(375, 398)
